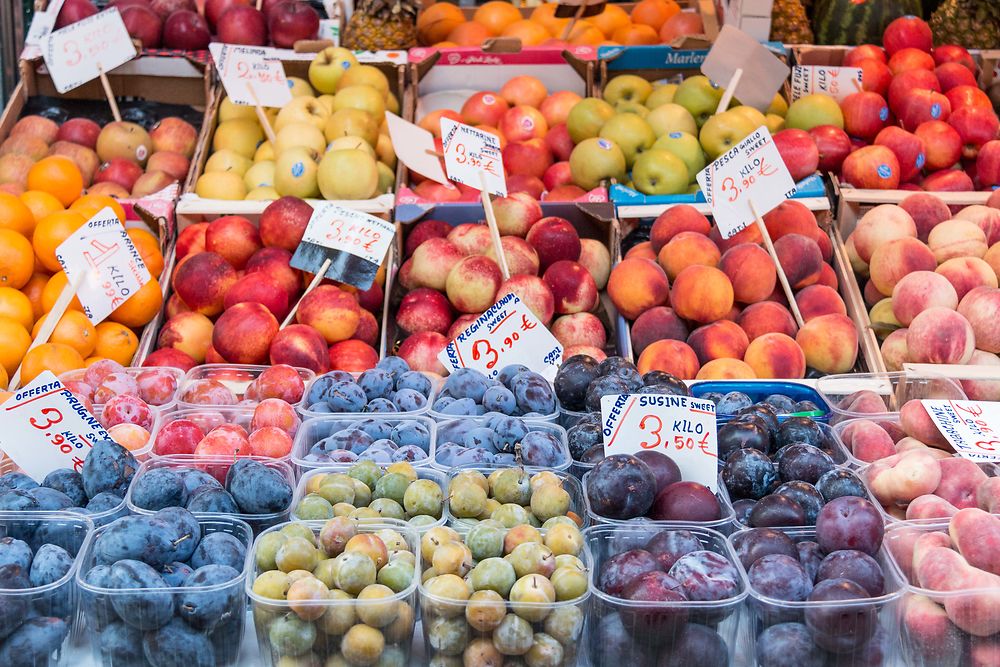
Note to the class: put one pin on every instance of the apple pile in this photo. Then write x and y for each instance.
(239, 275)
(331, 141)
(451, 276)
(180, 24)
(710, 308)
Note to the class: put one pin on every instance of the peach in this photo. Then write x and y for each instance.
(242, 334)
(276, 413)
(983, 390)
(405, 275)
(274, 263)
(930, 636)
(981, 306)
(927, 211)
(301, 346)
(595, 257)
(353, 356)
(751, 271)
(421, 352)
(829, 342)
(917, 423)
(800, 258)
(432, 261)
(594, 353)
(880, 225)
(940, 336)
(259, 288)
(882, 317)
(283, 222)
(516, 213)
(579, 329)
(656, 324)
(331, 311)
(858, 265)
(636, 285)
(984, 653)
(790, 217)
(677, 219)
(775, 355)
(189, 332)
(427, 229)
(749, 234)
(534, 292)
(175, 305)
(943, 569)
(373, 298)
(687, 249)
(719, 340)
(900, 478)
(988, 495)
(895, 259)
(976, 535)
(171, 358)
(929, 507)
(702, 293)
(554, 239)
(271, 442)
(867, 440)
(992, 257)
(967, 273)
(825, 244)
(213, 357)
(894, 350)
(424, 309)
(871, 294)
(726, 369)
(191, 240)
(642, 250)
(671, 356)
(986, 217)
(959, 480)
(816, 300)
(766, 317)
(957, 238)
(173, 164)
(234, 238)
(202, 281)
(920, 291)
(573, 288)
(471, 238)
(521, 257)
(367, 331)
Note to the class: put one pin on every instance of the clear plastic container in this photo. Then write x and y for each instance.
(436, 476)
(627, 632)
(759, 390)
(237, 377)
(440, 416)
(144, 452)
(451, 431)
(21, 644)
(218, 468)
(309, 616)
(99, 607)
(208, 418)
(864, 630)
(570, 418)
(98, 518)
(315, 429)
(890, 424)
(135, 371)
(894, 389)
(436, 383)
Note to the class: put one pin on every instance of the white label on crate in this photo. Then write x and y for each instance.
(44, 427)
(354, 242)
(751, 171)
(251, 75)
(762, 73)
(329, 29)
(972, 428)
(472, 157)
(837, 82)
(104, 254)
(680, 427)
(79, 52)
(507, 333)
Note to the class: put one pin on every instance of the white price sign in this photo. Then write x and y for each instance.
(44, 427)
(681, 427)
(354, 242)
(102, 252)
(251, 75)
(472, 157)
(42, 23)
(972, 428)
(507, 333)
(751, 171)
(837, 82)
(79, 52)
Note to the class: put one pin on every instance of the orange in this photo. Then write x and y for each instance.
(41, 204)
(469, 34)
(4, 382)
(14, 342)
(14, 215)
(654, 12)
(53, 288)
(33, 290)
(73, 329)
(17, 259)
(612, 18)
(16, 306)
(435, 22)
(496, 15)
(529, 32)
(585, 34)
(54, 357)
(636, 34)
(149, 250)
(141, 307)
(90, 361)
(57, 175)
(90, 205)
(50, 232)
(116, 341)
(545, 15)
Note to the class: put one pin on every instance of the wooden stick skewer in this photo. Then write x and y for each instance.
(109, 94)
(576, 17)
(491, 221)
(261, 116)
(785, 286)
(727, 95)
(312, 285)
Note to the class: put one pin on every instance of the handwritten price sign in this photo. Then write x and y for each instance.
(752, 170)
(971, 427)
(79, 52)
(472, 157)
(837, 82)
(42, 23)
(507, 333)
(251, 75)
(354, 242)
(681, 427)
(44, 427)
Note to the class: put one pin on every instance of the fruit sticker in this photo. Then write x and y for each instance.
(252, 76)
(44, 427)
(972, 428)
(79, 52)
(472, 157)
(682, 427)
(837, 82)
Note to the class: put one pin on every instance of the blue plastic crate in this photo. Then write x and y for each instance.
(758, 391)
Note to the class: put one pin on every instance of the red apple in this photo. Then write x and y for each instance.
(530, 158)
(144, 25)
(988, 164)
(242, 25)
(854, 56)
(164, 8)
(833, 144)
(559, 141)
(557, 174)
(948, 180)
(920, 106)
(952, 53)
(907, 32)
(968, 96)
(798, 151)
(874, 167)
(119, 170)
(289, 22)
(907, 59)
(954, 74)
(875, 76)
(186, 30)
(908, 149)
(865, 113)
(912, 80)
(214, 9)
(73, 11)
(942, 144)
(81, 131)
(976, 125)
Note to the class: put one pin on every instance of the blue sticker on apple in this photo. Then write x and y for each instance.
(935, 110)
(884, 171)
(920, 160)
(290, 84)
(298, 169)
(604, 143)
(674, 135)
(883, 114)
(346, 64)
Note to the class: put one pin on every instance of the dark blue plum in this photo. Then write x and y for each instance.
(788, 645)
(318, 390)
(381, 405)
(69, 482)
(135, 538)
(509, 431)
(416, 381)
(805, 494)
(482, 438)
(395, 365)
(184, 530)
(838, 482)
(573, 379)
(411, 434)
(158, 488)
(441, 403)
(803, 462)
(219, 549)
(473, 456)
(582, 437)
(733, 402)
(178, 645)
(345, 396)
(15, 552)
(466, 383)
(376, 383)
(19, 501)
(175, 573)
(604, 386)
(541, 448)
(377, 429)
(33, 642)
(50, 564)
(500, 399)
(507, 373)
(742, 434)
(807, 406)
(16, 480)
(748, 473)
(800, 430)
(98, 605)
(50, 500)
(204, 610)
(258, 489)
(108, 467)
(352, 439)
(195, 479)
(782, 404)
(104, 502)
(621, 487)
(409, 453)
(121, 644)
(148, 609)
(212, 500)
(462, 407)
(410, 400)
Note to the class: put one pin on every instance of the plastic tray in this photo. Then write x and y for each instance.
(235, 376)
(445, 429)
(208, 418)
(143, 452)
(315, 429)
(98, 518)
(895, 388)
(134, 371)
(758, 391)
(435, 386)
(440, 416)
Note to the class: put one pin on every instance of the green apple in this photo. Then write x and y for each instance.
(751, 114)
(775, 123)
(813, 110)
(300, 87)
(365, 75)
(329, 66)
(594, 161)
(723, 131)
(352, 123)
(699, 96)
(260, 175)
(351, 143)
(662, 94)
(778, 105)
(586, 118)
(227, 160)
(671, 117)
(631, 133)
(295, 173)
(348, 174)
(386, 178)
(305, 109)
(660, 172)
(632, 107)
(628, 88)
(686, 147)
(299, 134)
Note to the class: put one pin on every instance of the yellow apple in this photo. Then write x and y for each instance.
(264, 193)
(384, 150)
(299, 87)
(778, 105)
(327, 101)
(775, 123)
(594, 161)
(348, 174)
(662, 94)
(230, 111)
(392, 103)
(299, 134)
(228, 160)
(670, 117)
(751, 114)
(351, 123)
(329, 66)
(386, 178)
(686, 147)
(239, 135)
(365, 98)
(264, 152)
(632, 134)
(351, 143)
(364, 75)
(221, 185)
(259, 175)
(723, 131)
(303, 110)
(587, 117)
(295, 173)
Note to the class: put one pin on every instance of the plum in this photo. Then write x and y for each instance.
(178, 644)
(742, 509)
(780, 577)
(663, 467)
(849, 522)
(706, 575)
(840, 628)
(696, 645)
(838, 483)
(610, 385)
(121, 644)
(805, 496)
(108, 467)
(669, 545)
(582, 437)
(621, 487)
(147, 609)
(743, 434)
(788, 645)
(69, 482)
(219, 549)
(158, 488)
(649, 620)
(611, 643)
(732, 403)
(204, 610)
(257, 488)
(748, 473)
(777, 510)
(810, 556)
(855, 566)
(800, 430)
(802, 462)
(686, 501)
(34, 641)
(619, 570)
(756, 543)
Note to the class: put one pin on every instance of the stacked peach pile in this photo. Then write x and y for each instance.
(706, 307)
(239, 275)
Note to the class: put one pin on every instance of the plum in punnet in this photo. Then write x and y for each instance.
(804, 430)
(775, 510)
(686, 501)
(621, 487)
(662, 466)
(804, 463)
(849, 522)
(855, 566)
(697, 645)
(759, 542)
(780, 577)
(748, 473)
(805, 496)
(788, 645)
(810, 556)
(742, 509)
(840, 628)
(669, 545)
(658, 623)
(619, 571)
(706, 575)
(839, 483)
(743, 434)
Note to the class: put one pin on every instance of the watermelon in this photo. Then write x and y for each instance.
(858, 21)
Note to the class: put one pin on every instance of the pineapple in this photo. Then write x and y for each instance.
(975, 24)
(379, 25)
(789, 24)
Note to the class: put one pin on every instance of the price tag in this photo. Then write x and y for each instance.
(762, 76)
(44, 427)
(114, 268)
(42, 23)
(79, 52)
(972, 428)
(681, 427)
(472, 157)
(507, 333)
(837, 82)
(354, 242)
(752, 170)
(414, 146)
(251, 75)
